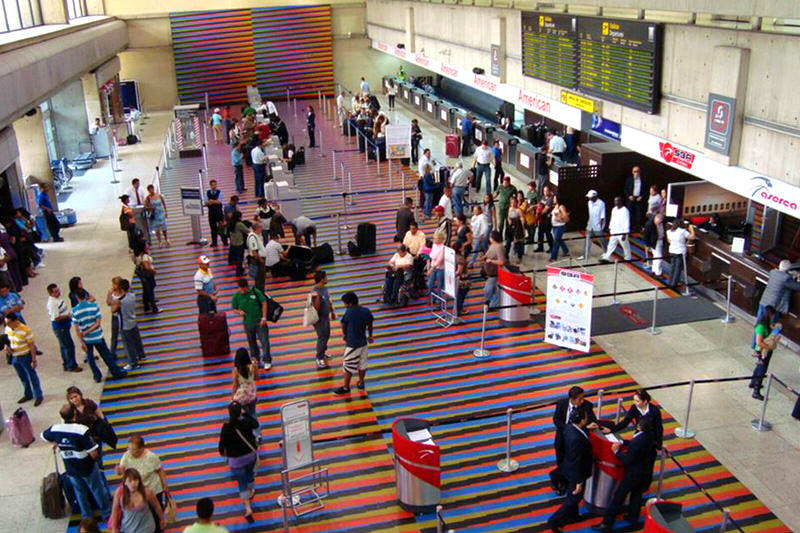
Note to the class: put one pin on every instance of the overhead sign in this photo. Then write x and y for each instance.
(296, 429)
(191, 201)
(398, 141)
(495, 59)
(450, 272)
(581, 102)
(568, 316)
(605, 127)
(719, 123)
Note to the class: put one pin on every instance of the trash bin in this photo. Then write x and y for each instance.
(662, 516)
(607, 472)
(417, 465)
(515, 289)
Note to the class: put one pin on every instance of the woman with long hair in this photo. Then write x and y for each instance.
(558, 219)
(238, 444)
(244, 376)
(146, 272)
(85, 411)
(131, 508)
(157, 208)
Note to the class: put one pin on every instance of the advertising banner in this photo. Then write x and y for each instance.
(450, 272)
(568, 316)
(398, 141)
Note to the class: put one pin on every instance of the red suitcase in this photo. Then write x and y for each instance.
(214, 338)
(451, 148)
(20, 429)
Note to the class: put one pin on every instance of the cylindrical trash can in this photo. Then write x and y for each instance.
(607, 472)
(515, 290)
(416, 465)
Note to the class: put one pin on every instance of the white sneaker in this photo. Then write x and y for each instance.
(267, 366)
(127, 367)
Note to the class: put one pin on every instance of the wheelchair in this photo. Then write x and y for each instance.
(413, 285)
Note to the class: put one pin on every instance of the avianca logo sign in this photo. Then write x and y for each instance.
(762, 189)
(674, 155)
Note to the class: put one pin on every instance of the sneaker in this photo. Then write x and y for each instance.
(266, 366)
(38, 402)
(340, 390)
(76, 369)
(321, 363)
(360, 385)
(24, 399)
(128, 367)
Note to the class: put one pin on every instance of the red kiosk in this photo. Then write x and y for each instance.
(607, 472)
(416, 465)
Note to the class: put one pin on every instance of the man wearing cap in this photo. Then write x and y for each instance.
(205, 286)
(596, 225)
(216, 125)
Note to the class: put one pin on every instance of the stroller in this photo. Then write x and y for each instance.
(412, 287)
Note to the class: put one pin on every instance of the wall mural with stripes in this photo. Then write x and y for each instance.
(279, 48)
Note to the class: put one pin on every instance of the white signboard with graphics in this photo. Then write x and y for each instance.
(443, 114)
(296, 428)
(191, 201)
(398, 141)
(568, 316)
(450, 272)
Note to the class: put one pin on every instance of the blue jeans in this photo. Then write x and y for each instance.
(106, 356)
(461, 295)
(244, 476)
(490, 293)
(259, 175)
(458, 200)
(759, 314)
(558, 242)
(28, 376)
(480, 170)
(238, 177)
(428, 207)
(436, 281)
(133, 345)
(256, 333)
(67, 347)
(676, 263)
(91, 485)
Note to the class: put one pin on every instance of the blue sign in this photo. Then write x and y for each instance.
(606, 128)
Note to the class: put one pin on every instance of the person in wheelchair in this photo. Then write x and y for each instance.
(398, 271)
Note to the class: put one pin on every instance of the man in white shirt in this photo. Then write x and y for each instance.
(303, 228)
(446, 203)
(424, 160)
(556, 145)
(459, 181)
(340, 104)
(678, 238)
(479, 223)
(61, 320)
(259, 168)
(364, 86)
(596, 225)
(620, 227)
(136, 192)
(483, 158)
(256, 254)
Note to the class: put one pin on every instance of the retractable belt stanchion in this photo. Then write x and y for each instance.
(726, 518)
(684, 432)
(614, 300)
(333, 163)
(662, 455)
(686, 291)
(339, 233)
(294, 102)
(729, 318)
(482, 352)
(321, 149)
(759, 424)
(205, 159)
(599, 403)
(653, 330)
(508, 464)
(619, 410)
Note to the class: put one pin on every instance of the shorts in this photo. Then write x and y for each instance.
(354, 359)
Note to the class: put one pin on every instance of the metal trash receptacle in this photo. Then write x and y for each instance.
(515, 290)
(662, 516)
(417, 465)
(607, 472)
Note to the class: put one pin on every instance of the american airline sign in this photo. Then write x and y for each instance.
(539, 104)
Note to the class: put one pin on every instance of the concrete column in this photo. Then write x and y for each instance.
(70, 120)
(729, 72)
(54, 11)
(498, 38)
(33, 156)
(91, 97)
(410, 41)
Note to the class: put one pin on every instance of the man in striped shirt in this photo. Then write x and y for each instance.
(87, 318)
(23, 358)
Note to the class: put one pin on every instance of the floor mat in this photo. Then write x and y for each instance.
(639, 315)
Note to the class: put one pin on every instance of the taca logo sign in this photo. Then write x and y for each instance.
(671, 154)
(762, 188)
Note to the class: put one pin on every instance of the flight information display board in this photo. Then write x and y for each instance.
(616, 60)
(550, 47)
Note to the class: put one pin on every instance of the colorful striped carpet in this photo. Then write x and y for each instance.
(177, 401)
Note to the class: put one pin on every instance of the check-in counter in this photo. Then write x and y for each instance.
(404, 93)
(458, 114)
(483, 132)
(446, 118)
(508, 144)
(430, 107)
(525, 158)
(418, 99)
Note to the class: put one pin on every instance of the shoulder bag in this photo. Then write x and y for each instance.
(255, 451)
(310, 315)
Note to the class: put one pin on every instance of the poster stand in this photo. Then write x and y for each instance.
(440, 302)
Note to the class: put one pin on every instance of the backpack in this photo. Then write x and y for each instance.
(124, 221)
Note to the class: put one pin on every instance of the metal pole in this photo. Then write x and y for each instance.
(390, 173)
(726, 517)
(294, 100)
(333, 163)
(653, 330)
(205, 159)
(662, 463)
(619, 410)
(377, 161)
(587, 245)
(366, 148)
(684, 432)
(482, 352)
(439, 519)
(759, 424)
(339, 234)
(729, 318)
(599, 402)
(343, 181)
(614, 300)
(350, 186)
(164, 155)
(508, 464)
(321, 149)
(686, 290)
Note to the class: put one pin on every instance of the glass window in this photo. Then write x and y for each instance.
(19, 14)
(76, 9)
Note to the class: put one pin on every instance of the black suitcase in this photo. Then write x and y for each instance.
(300, 156)
(527, 132)
(323, 254)
(365, 238)
(352, 249)
(301, 260)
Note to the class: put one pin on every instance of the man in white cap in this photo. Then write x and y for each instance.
(596, 225)
(205, 286)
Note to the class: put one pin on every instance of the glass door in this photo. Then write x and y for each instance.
(49, 131)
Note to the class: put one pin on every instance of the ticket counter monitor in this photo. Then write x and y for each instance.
(417, 465)
(607, 471)
(404, 93)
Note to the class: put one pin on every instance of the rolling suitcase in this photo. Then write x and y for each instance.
(451, 146)
(323, 254)
(52, 497)
(301, 260)
(365, 238)
(19, 428)
(214, 337)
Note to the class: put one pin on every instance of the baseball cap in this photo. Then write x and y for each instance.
(591, 194)
(203, 260)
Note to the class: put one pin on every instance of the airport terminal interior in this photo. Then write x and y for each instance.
(399, 266)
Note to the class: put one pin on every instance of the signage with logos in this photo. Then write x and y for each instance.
(191, 201)
(296, 429)
(719, 123)
(581, 102)
(449, 272)
(398, 141)
(605, 127)
(568, 315)
(495, 60)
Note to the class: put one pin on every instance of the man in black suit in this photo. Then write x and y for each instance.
(575, 401)
(636, 197)
(576, 468)
(403, 220)
(638, 472)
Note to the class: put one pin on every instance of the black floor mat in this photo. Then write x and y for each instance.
(639, 315)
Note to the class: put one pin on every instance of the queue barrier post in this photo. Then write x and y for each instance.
(294, 103)
(587, 246)
(662, 463)
(366, 147)
(759, 424)
(482, 351)
(614, 300)
(619, 411)
(653, 330)
(377, 162)
(350, 187)
(439, 528)
(726, 518)
(599, 403)
(728, 318)
(164, 156)
(684, 432)
(333, 163)
(205, 159)
(339, 234)
(321, 149)
(508, 464)
(686, 291)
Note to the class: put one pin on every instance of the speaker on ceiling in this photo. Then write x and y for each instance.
(478, 70)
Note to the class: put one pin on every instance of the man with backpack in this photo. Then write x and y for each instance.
(251, 305)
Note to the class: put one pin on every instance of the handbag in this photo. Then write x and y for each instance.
(171, 510)
(105, 432)
(258, 459)
(274, 309)
(310, 315)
